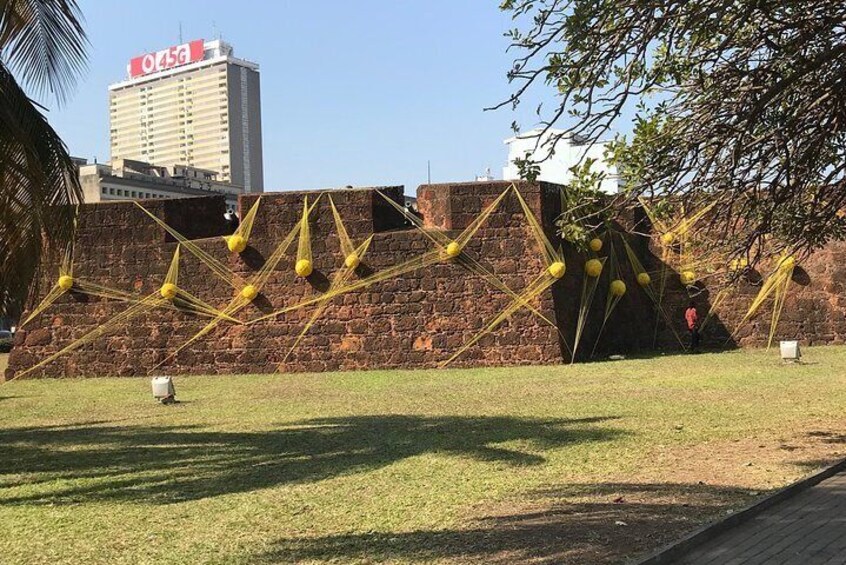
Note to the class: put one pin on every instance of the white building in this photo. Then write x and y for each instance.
(485, 177)
(125, 179)
(194, 104)
(555, 168)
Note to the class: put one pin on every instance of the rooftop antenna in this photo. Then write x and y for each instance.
(180, 32)
(428, 172)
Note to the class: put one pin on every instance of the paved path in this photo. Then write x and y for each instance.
(807, 529)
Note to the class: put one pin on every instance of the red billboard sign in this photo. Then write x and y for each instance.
(166, 58)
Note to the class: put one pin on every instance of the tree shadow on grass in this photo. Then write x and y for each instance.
(580, 523)
(174, 464)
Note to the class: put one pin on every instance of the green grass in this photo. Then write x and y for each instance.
(534, 463)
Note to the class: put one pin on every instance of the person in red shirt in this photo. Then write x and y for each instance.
(691, 316)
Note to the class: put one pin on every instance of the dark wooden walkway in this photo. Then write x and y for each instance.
(807, 529)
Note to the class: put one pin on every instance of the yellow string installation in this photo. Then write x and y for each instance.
(238, 241)
(555, 269)
(616, 288)
(455, 249)
(776, 286)
(590, 280)
(440, 253)
(445, 249)
(63, 284)
(645, 282)
(250, 290)
(352, 259)
(303, 266)
(219, 269)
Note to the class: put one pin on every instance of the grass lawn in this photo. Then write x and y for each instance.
(589, 463)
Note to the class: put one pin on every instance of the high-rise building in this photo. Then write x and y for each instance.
(193, 104)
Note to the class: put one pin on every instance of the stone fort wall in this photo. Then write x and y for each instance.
(415, 320)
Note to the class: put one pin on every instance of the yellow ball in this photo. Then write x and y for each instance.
(453, 250)
(688, 278)
(643, 279)
(557, 269)
(618, 287)
(738, 264)
(595, 244)
(168, 290)
(593, 268)
(668, 238)
(249, 292)
(787, 263)
(303, 267)
(236, 243)
(352, 260)
(65, 282)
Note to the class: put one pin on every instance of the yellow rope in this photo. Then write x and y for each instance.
(263, 274)
(48, 300)
(347, 247)
(421, 261)
(589, 284)
(145, 305)
(550, 254)
(304, 263)
(227, 313)
(247, 293)
(464, 259)
(238, 241)
(775, 285)
(445, 249)
(718, 300)
(216, 267)
(535, 289)
(637, 267)
(65, 272)
(612, 298)
(338, 281)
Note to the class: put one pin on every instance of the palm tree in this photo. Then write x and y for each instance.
(42, 42)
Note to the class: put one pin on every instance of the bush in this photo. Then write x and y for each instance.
(6, 344)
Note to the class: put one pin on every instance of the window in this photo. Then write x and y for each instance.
(104, 190)
(134, 194)
(112, 191)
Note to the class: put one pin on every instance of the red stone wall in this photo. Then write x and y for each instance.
(416, 320)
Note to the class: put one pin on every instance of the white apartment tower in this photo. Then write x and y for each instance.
(193, 104)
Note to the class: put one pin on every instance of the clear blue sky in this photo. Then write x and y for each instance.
(357, 92)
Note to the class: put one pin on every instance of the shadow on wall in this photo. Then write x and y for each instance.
(160, 465)
(635, 325)
(621, 520)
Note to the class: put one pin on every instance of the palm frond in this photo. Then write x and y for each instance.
(43, 42)
(38, 185)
